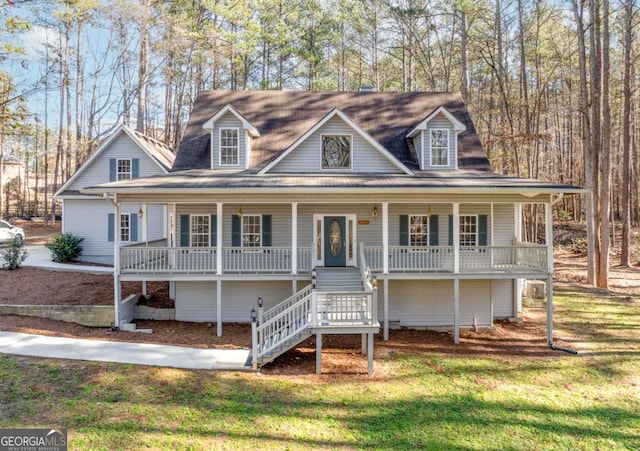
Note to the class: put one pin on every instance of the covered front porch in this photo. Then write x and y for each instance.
(263, 239)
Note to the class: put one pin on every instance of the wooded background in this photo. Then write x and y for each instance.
(552, 85)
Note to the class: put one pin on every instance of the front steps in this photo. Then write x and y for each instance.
(338, 279)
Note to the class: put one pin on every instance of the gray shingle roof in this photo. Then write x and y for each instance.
(158, 150)
(203, 180)
(281, 117)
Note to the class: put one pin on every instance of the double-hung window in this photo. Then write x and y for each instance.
(123, 169)
(125, 228)
(439, 147)
(418, 230)
(229, 147)
(251, 230)
(468, 230)
(200, 230)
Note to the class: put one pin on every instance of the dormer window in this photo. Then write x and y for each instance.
(123, 169)
(336, 152)
(229, 147)
(439, 147)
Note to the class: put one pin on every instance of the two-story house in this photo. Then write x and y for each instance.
(307, 201)
(124, 155)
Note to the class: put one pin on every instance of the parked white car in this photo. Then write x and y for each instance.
(9, 232)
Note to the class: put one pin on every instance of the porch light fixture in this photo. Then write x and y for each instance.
(374, 212)
(260, 301)
(254, 315)
(240, 213)
(140, 213)
(428, 211)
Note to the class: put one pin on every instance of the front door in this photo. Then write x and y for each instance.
(335, 241)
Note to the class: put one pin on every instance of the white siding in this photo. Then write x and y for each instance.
(195, 301)
(121, 147)
(441, 210)
(421, 302)
(156, 222)
(502, 295)
(238, 298)
(228, 121)
(369, 234)
(440, 122)
(475, 302)
(307, 157)
(429, 303)
(89, 218)
(280, 219)
(503, 224)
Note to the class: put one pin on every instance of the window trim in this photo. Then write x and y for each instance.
(191, 233)
(118, 173)
(447, 148)
(242, 232)
(128, 228)
(237, 147)
(328, 135)
(426, 233)
(477, 226)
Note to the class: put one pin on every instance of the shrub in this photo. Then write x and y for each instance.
(65, 247)
(14, 254)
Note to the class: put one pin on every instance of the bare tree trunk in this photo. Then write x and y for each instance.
(79, 156)
(142, 69)
(464, 57)
(625, 255)
(604, 183)
(578, 10)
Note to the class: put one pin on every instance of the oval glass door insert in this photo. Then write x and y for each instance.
(335, 238)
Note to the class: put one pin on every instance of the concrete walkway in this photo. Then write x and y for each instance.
(114, 351)
(124, 352)
(40, 257)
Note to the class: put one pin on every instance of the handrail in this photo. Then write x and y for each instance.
(281, 306)
(281, 326)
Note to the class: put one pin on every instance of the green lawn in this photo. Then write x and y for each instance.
(589, 401)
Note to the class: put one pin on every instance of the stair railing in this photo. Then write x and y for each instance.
(280, 324)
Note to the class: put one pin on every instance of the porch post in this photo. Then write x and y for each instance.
(456, 310)
(370, 354)
(549, 239)
(386, 309)
(219, 307)
(456, 238)
(548, 213)
(550, 309)
(145, 222)
(219, 249)
(294, 238)
(517, 283)
(117, 292)
(319, 353)
(385, 240)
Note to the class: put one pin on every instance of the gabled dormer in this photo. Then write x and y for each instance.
(336, 145)
(231, 139)
(435, 140)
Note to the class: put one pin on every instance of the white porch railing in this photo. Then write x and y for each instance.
(519, 257)
(256, 259)
(345, 309)
(155, 257)
(167, 260)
